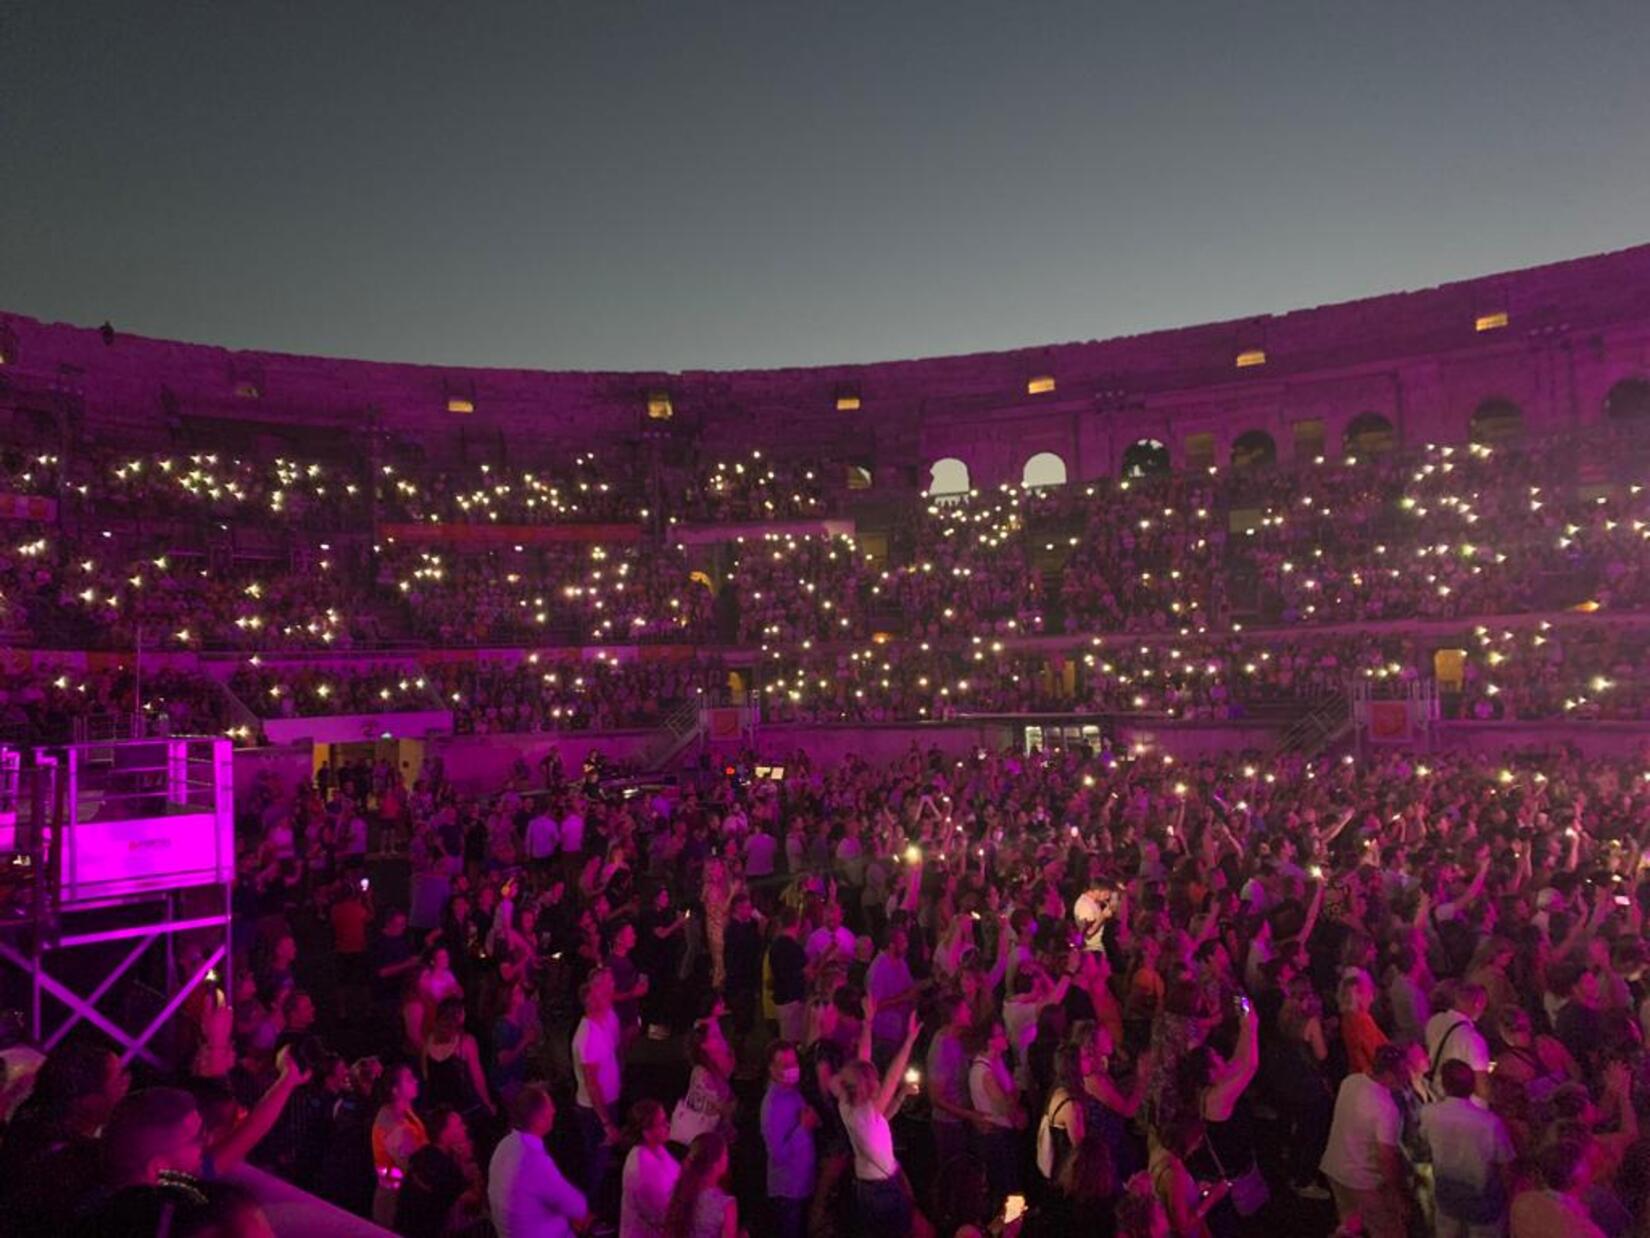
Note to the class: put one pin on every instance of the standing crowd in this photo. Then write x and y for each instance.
(1078, 992)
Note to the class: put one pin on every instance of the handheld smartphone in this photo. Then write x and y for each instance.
(1014, 1207)
(913, 1075)
(1623, 901)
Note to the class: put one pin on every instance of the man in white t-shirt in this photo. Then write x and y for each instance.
(1362, 1159)
(1471, 1153)
(597, 1078)
(850, 856)
(571, 832)
(831, 933)
(543, 834)
(1453, 1036)
(1092, 909)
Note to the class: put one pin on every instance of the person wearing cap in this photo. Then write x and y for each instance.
(1363, 1161)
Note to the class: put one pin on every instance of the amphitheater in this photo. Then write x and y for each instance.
(1304, 658)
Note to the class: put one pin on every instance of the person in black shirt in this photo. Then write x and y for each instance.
(49, 1153)
(297, 1146)
(347, 1176)
(630, 983)
(787, 967)
(441, 1190)
(742, 950)
(391, 959)
(820, 1063)
(659, 948)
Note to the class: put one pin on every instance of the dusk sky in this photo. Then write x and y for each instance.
(699, 184)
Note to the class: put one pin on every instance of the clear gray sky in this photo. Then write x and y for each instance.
(704, 184)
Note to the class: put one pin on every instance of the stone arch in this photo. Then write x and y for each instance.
(1043, 469)
(1628, 404)
(1146, 457)
(1496, 420)
(1254, 449)
(947, 478)
(1370, 434)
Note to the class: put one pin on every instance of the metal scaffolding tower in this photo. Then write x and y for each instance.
(108, 851)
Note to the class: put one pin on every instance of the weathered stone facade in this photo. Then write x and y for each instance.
(1564, 345)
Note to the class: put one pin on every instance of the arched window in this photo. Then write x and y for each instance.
(1145, 458)
(1629, 403)
(1043, 469)
(1254, 449)
(1496, 421)
(947, 477)
(1369, 434)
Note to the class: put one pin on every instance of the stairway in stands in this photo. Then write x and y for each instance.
(679, 728)
(1325, 723)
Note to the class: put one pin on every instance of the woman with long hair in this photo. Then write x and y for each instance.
(1110, 1102)
(1214, 1089)
(1140, 1213)
(699, 1207)
(1187, 1201)
(1064, 1108)
(1298, 1083)
(865, 1101)
(709, 1103)
(717, 896)
(451, 1063)
(1085, 1191)
(650, 1172)
(397, 1133)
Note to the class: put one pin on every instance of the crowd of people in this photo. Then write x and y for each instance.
(1575, 670)
(1433, 533)
(1568, 670)
(1437, 532)
(487, 596)
(755, 488)
(41, 700)
(1032, 993)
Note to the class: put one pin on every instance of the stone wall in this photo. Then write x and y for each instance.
(1572, 331)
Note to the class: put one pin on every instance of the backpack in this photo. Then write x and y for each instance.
(1045, 1139)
